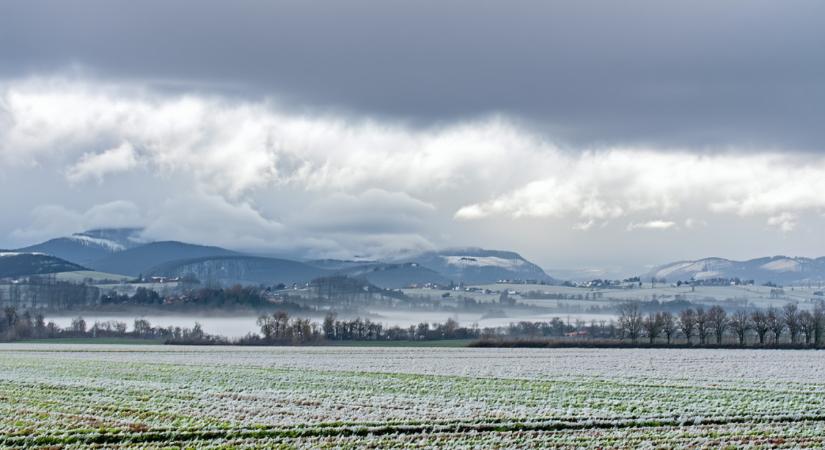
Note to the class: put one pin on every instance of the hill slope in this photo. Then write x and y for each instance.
(15, 264)
(394, 276)
(139, 260)
(240, 269)
(479, 266)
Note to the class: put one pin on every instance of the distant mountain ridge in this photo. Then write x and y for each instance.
(777, 269)
(88, 246)
(124, 251)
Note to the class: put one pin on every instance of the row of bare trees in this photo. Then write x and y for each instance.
(788, 325)
(281, 329)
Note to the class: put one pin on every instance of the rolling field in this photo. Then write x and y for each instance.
(73, 396)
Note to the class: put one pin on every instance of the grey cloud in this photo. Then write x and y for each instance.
(685, 74)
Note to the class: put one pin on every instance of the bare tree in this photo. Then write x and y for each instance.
(718, 319)
(668, 325)
(790, 313)
(78, 325)
(775, 323)
(687, 322)
(10, 315)
(630, 320)
(819, 322)
(740, 322)
(760, 324)
(329, 325)
(653, 326)
(807, 324)
(267, 325)
(702, 325)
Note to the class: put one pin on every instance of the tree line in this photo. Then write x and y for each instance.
(692, 326)
(715, 326)
(16, 326)
(279, 328)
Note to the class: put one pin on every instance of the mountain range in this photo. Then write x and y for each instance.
(123, 251)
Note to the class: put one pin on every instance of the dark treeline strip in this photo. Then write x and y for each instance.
(231, 298)
(16, 326)
(788, 327)
(279, 329)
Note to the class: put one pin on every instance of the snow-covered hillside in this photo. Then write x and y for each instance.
(778, 269)
(475, 265)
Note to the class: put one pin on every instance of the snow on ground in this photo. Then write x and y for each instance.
(783, 265)
(483, 261)
(88, 241)
(2, 254)
(124, 396)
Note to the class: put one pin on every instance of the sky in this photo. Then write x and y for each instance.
(581, 134)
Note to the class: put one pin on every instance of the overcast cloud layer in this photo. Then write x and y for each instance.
(580, 134)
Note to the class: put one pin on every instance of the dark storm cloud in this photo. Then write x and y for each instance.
(689, 74)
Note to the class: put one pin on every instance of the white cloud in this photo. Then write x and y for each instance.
(210, 219)
(621, 182)
(231, 168)
(50, 221)
(232, 148)
(373, 211)
(690, 222)
(584, 226)
(652, 225)
(95, 165)
(785, 221)
(372, 224)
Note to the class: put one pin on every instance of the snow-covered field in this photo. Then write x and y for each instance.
(139, 396)
(759, 296)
